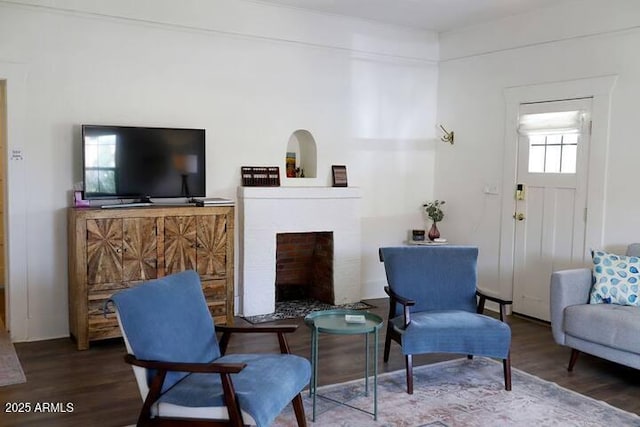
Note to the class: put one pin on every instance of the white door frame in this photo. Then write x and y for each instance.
(598, 88)
(16, 198)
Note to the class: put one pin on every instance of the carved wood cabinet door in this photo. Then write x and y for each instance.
(211, 246)
(104, 250)
(121, 250)
(140, 249)
(179, 243)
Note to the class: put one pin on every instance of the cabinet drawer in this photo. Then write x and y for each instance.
(108, 288)
(100, 294)
(103, 328)
(220, 320)
(218, 310)
(215, 289)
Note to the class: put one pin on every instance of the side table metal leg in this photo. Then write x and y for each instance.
(313, 358)
(366, 364)
(315, 372)
(375, 376)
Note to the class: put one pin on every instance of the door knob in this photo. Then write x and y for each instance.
(518, 216)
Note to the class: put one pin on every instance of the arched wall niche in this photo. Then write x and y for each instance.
(303, 145)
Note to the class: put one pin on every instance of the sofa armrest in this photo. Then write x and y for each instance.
(633, 249)
(568, 287)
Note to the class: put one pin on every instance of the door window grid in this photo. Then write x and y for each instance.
(553, 153)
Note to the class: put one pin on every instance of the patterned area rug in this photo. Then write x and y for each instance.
(300, 308)
(461, 393)
(10, 368)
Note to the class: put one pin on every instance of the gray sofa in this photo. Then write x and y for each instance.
(609, 331)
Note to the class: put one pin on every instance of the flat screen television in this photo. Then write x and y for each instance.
(125, 162)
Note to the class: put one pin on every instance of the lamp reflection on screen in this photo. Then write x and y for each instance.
(185, 164)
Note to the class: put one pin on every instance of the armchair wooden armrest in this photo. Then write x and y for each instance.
(257, 329)
(212, 368)
(398, 298)
(280, 330)
(406, 303)
(155, 387)
(484, 296)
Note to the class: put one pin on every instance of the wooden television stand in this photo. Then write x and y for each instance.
(113, 249)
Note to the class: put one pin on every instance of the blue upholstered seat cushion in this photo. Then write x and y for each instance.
(167, 320)
(454, 331)
(263, 388)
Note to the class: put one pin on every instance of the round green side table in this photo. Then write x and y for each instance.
(335, 322)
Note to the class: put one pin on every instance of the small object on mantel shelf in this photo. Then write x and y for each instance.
(290, 162)
(339, 173)
(260, 176)
(439, 240)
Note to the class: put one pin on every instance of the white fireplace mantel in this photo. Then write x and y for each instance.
(299, 193)
(266, 211)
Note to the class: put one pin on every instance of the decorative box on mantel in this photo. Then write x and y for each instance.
(264, 212)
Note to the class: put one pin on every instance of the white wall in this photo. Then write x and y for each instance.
(249, 74)
(582, 40)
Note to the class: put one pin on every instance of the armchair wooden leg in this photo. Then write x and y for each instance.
(387, 344)
(298, 408)
(233, 406)
(506, 365)
(574, 358)
(409, 363)
(144, 419)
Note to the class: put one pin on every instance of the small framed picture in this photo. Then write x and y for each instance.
(339, 175)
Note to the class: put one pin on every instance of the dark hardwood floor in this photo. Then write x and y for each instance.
(103, 392)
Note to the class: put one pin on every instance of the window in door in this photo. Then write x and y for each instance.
(553, 153)
(553, 140)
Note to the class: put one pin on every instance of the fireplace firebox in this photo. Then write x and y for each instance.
(304, 266)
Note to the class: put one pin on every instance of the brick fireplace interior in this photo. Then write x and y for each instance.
(304, 266)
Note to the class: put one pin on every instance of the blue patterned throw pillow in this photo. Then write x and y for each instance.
(616, 279)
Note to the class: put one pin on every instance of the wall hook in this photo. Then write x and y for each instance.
(448, 136)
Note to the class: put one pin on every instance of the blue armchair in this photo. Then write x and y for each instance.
(181, 370)
(433, 306)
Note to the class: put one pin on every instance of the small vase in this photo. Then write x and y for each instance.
(434, 233)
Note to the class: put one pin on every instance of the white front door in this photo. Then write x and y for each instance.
(550, 216)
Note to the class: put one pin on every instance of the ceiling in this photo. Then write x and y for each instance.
(436, 15)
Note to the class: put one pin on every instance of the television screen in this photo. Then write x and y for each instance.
(139, 162)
